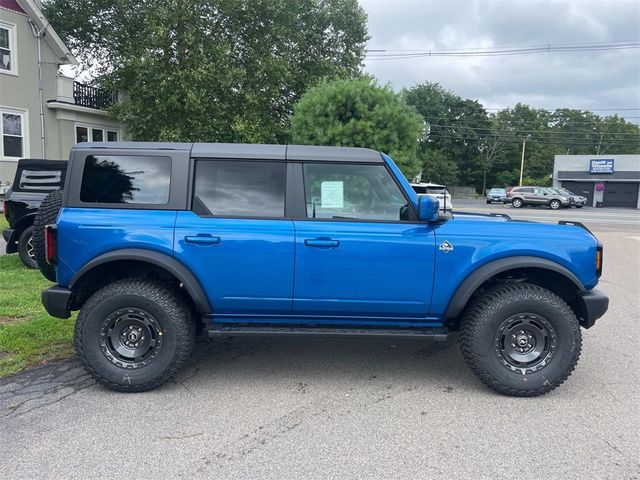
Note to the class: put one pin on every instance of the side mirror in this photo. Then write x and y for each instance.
(428, 208)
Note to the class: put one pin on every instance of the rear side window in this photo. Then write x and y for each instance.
(126, 179)
(239, 188)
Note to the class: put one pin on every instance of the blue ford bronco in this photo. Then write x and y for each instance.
(156, 242)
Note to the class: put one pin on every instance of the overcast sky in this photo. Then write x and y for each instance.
(581, 80)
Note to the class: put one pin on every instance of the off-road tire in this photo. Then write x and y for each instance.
(165, 304)
(47, 215)
(25, 248)
(517, 203)
(554, 204)
(480, 347)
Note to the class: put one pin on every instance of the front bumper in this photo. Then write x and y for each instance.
(8, 235)
(56, 301)
(592, 305)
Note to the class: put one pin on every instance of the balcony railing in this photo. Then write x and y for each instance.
(93, 97)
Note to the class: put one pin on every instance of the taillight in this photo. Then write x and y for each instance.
(51, 244)
(599, 250)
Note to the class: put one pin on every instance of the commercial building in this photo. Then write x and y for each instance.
(606, 180)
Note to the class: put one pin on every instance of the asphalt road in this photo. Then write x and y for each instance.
(325, 408)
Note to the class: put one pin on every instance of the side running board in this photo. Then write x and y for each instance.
(233, 330)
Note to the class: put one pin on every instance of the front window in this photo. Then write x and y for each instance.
(126, 179)
(12, 130)
(345, 191)
(7, 49)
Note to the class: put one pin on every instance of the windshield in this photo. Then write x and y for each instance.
(497, 191)
(436, 190)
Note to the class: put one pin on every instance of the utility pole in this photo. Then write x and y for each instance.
(524, 145)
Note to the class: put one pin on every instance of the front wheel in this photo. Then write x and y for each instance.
(517, 203)
(520, 339)
(554, 204)
(133, 335)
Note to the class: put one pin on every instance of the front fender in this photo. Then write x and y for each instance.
(485, 272)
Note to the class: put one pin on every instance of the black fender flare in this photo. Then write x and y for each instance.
(164, 261)
(485, 272)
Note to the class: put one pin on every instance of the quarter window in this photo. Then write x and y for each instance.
(12, 130)
(239, 188)
(7, 49)
(126, 179)
(345, 191)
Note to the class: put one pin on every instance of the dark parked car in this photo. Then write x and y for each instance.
(577, 201)
(523, 196)
(496, 195)
(153, 242)
(33, 181)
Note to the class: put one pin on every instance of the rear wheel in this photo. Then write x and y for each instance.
(47, 215)
(520, 339)
(25, 248)
(133, 335)
(516, 202)
(554, 204)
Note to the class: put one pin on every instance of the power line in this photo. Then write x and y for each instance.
(571, 108)
(506, 47)
(559, 142)
(534, 132)
(384, 54)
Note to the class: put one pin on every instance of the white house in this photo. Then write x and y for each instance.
(43, 113)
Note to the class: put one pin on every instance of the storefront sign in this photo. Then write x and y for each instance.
(601, 166)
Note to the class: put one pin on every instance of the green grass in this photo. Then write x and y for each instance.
(28, 335)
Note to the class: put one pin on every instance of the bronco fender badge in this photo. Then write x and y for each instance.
(446, 247)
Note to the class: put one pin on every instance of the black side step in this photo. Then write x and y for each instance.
(234, 330)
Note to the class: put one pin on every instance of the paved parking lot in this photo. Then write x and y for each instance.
(325, 408)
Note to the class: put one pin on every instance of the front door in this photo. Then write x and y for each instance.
(355, 256)
(236, 240)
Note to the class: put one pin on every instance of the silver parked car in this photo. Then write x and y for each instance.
(496, 195)
(577, 201)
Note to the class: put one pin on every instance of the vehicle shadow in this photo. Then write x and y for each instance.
(246, 360)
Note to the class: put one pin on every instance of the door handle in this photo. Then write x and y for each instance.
(202, 239)
(321, 243)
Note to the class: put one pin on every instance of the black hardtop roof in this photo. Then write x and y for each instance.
(249, 151)
(42, 163)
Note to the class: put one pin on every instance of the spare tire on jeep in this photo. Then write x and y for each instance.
(47, 214)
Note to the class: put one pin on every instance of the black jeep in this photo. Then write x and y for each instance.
(34, 180)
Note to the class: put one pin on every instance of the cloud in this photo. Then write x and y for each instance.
(551, 80)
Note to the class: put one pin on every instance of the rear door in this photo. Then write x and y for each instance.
(236, 239)
(355, 254)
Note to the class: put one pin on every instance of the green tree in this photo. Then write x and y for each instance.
(359, 113)
(212, 70)
(455, 127)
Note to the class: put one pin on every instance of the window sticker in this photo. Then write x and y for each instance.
(332, 194)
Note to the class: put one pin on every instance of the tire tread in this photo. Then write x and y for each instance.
(479, 311)
(171, 300)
